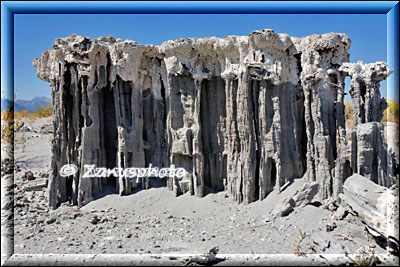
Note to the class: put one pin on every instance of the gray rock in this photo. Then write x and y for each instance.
(372, 159)
(330, 227)
(29, 176)
(323, 244)
(300, 198)
(94, 220)
(245, 114)
(46, 129)
(287, 207)
(51, 220)
(340, 213)
(304, 196)
(36, 185)
(336, 248)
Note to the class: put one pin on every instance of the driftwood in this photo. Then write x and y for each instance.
(376, 206)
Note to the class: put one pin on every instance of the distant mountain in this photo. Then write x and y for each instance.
(6, 104)
(30, 105)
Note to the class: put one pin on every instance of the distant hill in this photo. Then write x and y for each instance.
(30, 105)
(6, 104)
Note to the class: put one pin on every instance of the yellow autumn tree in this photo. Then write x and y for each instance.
(43, 112)
(391, 113)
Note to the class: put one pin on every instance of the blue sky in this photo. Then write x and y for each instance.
(34, 33)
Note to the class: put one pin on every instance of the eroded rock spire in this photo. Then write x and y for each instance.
(245, 114)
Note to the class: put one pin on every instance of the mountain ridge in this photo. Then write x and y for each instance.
(29, 105)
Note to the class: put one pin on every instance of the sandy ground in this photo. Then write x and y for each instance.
(154, 221)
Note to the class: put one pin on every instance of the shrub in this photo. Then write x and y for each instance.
(365, 256)
(298, 243)
(43, 112)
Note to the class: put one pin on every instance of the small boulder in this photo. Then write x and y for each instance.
(286, 207)
(305, 195)
(340, 213)
(94, 220)
(330, 227)
(36, 185)
(301, 198)
(323, 244)
(51, 220)
(29, 176)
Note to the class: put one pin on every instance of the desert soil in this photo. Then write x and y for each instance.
(154, 221)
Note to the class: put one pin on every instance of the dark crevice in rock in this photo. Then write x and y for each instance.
(303, 143)
(271, 174)
(348, 171)
(298, 61)
(85, 99)
(148, 116)
(363, 92)
(253, 96)
(126, 98)
(237, 145)
(109, 127)
(212, 115)
(164, 103)
(66, 194)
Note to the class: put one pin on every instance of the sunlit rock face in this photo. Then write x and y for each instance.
(244, 114)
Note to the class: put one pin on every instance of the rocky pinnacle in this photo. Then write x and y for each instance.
(244, 114)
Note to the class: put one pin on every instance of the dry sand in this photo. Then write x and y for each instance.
(154, 221)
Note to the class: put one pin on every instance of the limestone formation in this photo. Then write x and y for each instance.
(245, 114)
(365, 94)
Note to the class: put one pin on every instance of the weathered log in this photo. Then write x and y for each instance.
(375, 205)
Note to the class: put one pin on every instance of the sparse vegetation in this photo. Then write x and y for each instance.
(11, 122)
(23, 142)
(365, 256)
(7, 131)
(297, 244)
(8, 117)
(42, 112)
(7, 127)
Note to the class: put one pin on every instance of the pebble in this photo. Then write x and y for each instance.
(51, 220)
(330, 227)
(94, 220)
(29, 176)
